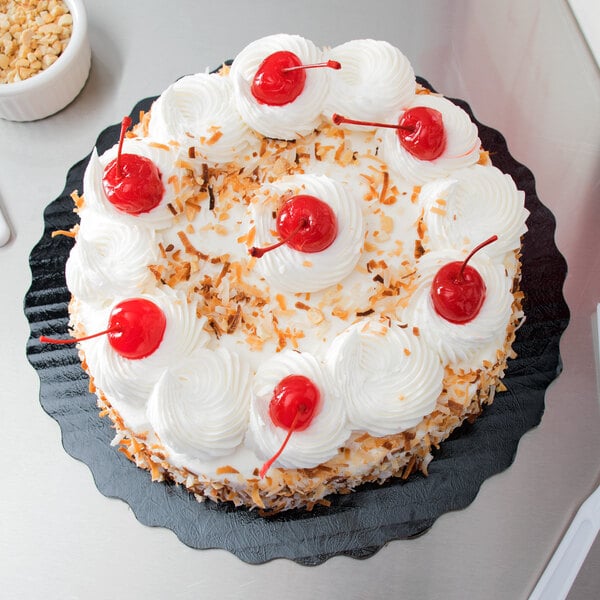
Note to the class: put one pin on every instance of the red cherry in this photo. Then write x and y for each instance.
(138, 326)
(293, 406)
(132, 183)
(304, 223)
(420, 131)
(458, 291)
(135, 329)
(280, 78)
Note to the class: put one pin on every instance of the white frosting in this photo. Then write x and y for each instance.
(376, 81)
(293, 271)
(390, 378)
(328, 430)
(471, 206)
(96, 272)
(200, 406)
(469, 344)
(461, 150)
(289, 121)
(199, 111)
(205, 392)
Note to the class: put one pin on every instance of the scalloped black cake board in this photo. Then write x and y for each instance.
(358, 524)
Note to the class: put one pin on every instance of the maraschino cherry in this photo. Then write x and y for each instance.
(281, 77)
(132, 183)
(458, 291)
(293, 406)
(420, 131)
(304, 223)
(135, 329)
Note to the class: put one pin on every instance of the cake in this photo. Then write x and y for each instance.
(283, 294)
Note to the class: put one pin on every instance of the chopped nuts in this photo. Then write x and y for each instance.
(33, 34)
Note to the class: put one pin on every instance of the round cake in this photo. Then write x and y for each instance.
(295, 275)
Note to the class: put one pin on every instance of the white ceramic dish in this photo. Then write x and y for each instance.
(51, 90)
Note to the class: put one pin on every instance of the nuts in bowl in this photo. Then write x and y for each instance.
(44, 56)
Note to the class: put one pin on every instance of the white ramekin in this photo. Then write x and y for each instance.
(50, 90)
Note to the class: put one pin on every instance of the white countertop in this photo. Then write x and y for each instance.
(526, 70)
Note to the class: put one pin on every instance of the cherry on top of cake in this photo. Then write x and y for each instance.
(420, 131)
(294, 404)
(305, 223)
(458, 290)
(281, 78)
(132, 183)
(135, 330)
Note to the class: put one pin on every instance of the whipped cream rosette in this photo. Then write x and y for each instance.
(130, 382)
(291, 270)
(376, 81)
(465, 345)
(478, 199)
(173, 179)
(297, 118)
(461, 149)
(321, 439)
(199, 111)
(200, 406)
(390, 378)
(96, 271)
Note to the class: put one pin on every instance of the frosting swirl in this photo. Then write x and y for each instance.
(462, 143)
(289, 121)
(376, 81)
(466, 345)
(199, 111)
(390, 378)
(328, 429)
(97, 271)
(478, 199)
(294, 271)
(200, 406)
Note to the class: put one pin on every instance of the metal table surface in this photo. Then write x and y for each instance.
(526, 70)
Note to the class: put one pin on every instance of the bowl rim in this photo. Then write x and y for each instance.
(76, 42)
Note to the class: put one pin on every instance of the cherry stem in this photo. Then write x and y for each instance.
(47, 340)
(331, 64)
(339, 119)
(259, 252)
(267, 465)
(125, 125)
(475, 250)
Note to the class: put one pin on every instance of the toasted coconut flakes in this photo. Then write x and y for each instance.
(415, 193)
(63, 232)
(484, 157)
(214, 138)
(421, 228)
(340, 313)
(226, 469)
(234, 320)
(77, 199)
(384, 186)
(159, 146)
(419, 250)
(188, 246)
